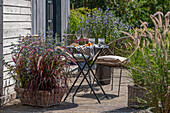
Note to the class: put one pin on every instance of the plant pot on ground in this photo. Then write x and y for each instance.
(40, 98)
(136, 97)
(40, 70)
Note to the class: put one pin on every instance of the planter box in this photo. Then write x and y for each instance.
(134, 93)
(41, 98)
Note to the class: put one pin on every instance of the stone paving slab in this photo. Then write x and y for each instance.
(84, 102)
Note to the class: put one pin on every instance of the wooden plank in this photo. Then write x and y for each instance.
(38, 16)
(8, 82)
(23, 3)
(1, 2)
(1, 47)
(8, 42)
(6, 75)
(7, 50)
(1, 24)
(16, 18)
(7, 98)
(16, 25)
(44, 17)
(16, 10)
(5, 68)
(65, 11)
(16, 32)
(57, 16)
(34, 17)
(16, 21)
(9, 89)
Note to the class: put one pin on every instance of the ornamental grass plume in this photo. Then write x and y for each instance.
(150, 66)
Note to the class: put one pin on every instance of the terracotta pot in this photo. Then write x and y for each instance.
(135, 92)
(40, 98)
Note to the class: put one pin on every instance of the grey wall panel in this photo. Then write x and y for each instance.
(38, 16)
(1, 48)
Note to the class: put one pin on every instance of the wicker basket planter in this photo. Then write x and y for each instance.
(134, 93)
(41, 98)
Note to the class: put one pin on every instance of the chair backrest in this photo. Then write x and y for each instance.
(124, 46)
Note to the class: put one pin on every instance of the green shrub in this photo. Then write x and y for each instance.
(130, 11)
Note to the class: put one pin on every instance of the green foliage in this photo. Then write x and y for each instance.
(77, 20)
(130, 11)
(150, 66)
(89, 3)
(99, 23)
(39, 64)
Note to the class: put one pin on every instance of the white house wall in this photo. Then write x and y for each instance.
(1, 48)
(16, 22)
(20, 17)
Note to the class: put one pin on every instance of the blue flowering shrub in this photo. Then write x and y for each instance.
(99, 23)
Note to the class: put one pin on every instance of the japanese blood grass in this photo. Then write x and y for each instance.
(150, 66)
(39, 67)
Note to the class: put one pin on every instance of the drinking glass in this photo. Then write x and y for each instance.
(101, 41)
(85, 33)
(92, 40)
(78, 34)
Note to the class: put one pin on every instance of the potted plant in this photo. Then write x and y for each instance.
(151, 70)
(137, 91)
(40, 70)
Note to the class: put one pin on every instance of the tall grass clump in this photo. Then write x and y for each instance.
(150, 66)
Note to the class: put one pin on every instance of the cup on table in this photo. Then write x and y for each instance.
(92, 41)
(78, 34)
(101, 41)
(84, 33)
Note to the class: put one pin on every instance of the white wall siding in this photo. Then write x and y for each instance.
(1, 48)
(16, 22)
(22, 17)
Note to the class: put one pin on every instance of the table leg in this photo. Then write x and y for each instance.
(77, 89)
(81, 71)
(72, 86)
(90, 69)
(85, 77)
(99, 84)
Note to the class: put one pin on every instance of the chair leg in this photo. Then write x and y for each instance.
(120, 80)
(94, 78)
(112, 74)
